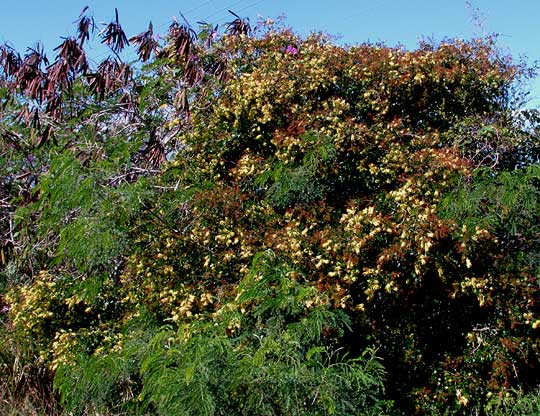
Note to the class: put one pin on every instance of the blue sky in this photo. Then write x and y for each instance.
(394, 22)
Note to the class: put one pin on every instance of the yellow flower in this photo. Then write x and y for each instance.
(462, 400)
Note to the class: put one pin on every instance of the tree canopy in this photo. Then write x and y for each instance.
(249, 222)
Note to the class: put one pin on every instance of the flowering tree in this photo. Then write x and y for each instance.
(247, 223)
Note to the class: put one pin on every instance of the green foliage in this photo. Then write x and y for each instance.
(272, 365)
(95, 385)
(85, 217)
(233, 364)
(25, 385)
(256, 224)
(504, 201)
(515, 403)
(208, 376)
(289, 184)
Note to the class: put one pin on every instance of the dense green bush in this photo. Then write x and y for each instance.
(256, 223)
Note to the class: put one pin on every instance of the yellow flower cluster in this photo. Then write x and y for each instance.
(64, 348)
(31, 304)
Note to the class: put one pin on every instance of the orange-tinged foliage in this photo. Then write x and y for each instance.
(337, 161)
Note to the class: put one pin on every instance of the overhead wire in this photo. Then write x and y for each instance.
(230, 7)
(133, 55)
(200, 6)
(242, 9)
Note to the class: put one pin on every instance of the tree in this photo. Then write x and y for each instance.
(236, 227)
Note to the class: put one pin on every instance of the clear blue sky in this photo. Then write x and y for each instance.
(392, 21)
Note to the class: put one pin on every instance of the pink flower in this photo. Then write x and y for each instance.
(291, 50)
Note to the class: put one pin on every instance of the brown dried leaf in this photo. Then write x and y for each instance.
(85, 26)
(238, 26)
(146, 44)
(114, 36)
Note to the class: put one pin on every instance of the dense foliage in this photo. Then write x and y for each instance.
(254, 223)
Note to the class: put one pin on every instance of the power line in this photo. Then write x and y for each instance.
(200, 6)
(132, 55)
(224, 9)
(241, 10)
(358, 13)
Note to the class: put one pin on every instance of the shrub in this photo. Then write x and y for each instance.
(252, 223)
